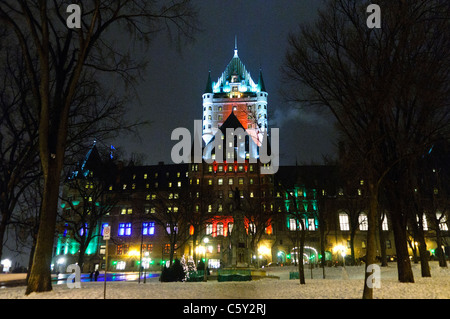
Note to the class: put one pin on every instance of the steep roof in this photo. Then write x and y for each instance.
(209, 88)
(236, 67)
(261, 85)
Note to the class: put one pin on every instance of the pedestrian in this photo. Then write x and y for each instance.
(91, 275)
(96, 275)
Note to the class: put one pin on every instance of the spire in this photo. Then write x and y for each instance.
(235, 47)
(261, 85)
(209, 88)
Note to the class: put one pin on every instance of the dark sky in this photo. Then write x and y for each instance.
(171, 95)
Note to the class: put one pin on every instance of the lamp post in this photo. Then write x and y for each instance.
(205, 241)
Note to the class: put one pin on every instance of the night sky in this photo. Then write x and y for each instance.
(171, 94)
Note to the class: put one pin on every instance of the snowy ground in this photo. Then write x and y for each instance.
(337, 285)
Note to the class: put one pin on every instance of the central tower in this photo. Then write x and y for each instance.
(235, 93)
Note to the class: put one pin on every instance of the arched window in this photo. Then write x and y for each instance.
(362, 221)
(343, 222)
(219, 229)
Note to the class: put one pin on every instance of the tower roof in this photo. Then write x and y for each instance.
(261, 85)
(235, 68)
(209, 88)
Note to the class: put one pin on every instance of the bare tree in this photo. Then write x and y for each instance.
(380, 86)
(64, 54)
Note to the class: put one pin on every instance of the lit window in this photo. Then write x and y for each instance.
(311, 224)
(126, 211)
(148, 228)
(145, 176)
(241, 181)
(230, 228)
(209, 208)
(424, 222)
(343, 221)
(384, 224)
(209, 228)
(124, 229)
(362, 220)
(220, 181)
(219, 229)
(230, 181)
(292, 224)
(442, 221)
(122, 250)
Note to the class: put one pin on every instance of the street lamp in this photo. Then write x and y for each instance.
(205, 241)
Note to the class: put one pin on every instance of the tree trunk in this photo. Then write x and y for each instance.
(40, 274)
(301, 267)
(322, 246)
(439, 252)
(352, 247)
(422, 247)
(405, 273)
(371, 237)
(3, 230)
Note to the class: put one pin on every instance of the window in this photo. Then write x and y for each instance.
(311, 224)
(209, 228)
(220, 181)
(148, 228)
(292, 224)
(230, 228)
(251, 228)
(145, 176)
(126, 211)
(424, 222)
(343, 221)
(147, 248)
(83, 230)
(219, 229)
(388, 244)
(230, 181)
(167, 248)
(169, 228)
(122, 249)
(125, 229)
(384, 224)
(209, 208)
(362, 220)
(442, 221)
(241, 181)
